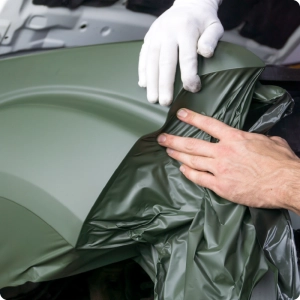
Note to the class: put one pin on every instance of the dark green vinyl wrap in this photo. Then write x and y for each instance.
(74, 196)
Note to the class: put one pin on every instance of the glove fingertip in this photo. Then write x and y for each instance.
(142, 84)
(192, 85)
(165, 101)
(152, 98)
(206, 50)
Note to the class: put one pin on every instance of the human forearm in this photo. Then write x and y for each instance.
(291, 187)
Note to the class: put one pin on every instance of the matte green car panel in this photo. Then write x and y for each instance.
(62, 104)
(67, 120)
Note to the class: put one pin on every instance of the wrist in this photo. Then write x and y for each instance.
(290, 186)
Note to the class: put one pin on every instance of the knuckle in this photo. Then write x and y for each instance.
(288, 151)
(207, 121)
(238, 134)
(279, 139)
(260, 137)
(191, 145)
(194, 161)
(187, 173)
(199, 180)
(219, 28)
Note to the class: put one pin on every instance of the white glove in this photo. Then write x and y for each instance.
(189, 26)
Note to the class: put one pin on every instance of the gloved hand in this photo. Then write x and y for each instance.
(189, 26)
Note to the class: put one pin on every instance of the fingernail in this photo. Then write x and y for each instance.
(170, 151)
(182, 113)
(161, 138)
(182, 169)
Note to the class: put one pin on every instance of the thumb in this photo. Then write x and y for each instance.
(209, 39)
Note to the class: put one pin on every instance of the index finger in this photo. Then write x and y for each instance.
(210, 125)
(188, 61)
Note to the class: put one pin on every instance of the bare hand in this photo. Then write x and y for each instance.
(246, 168)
